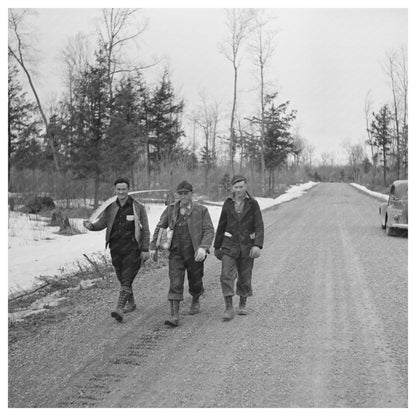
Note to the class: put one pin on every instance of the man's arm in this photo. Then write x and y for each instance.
(207, 230)
(98, 225)
(145, 237)
(258, 226)
(222, 223)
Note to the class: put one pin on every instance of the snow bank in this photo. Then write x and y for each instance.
(36, 249)
(366, 190)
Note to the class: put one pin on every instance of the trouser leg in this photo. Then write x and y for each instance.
(245, 269)
(176, 277)
(126, 265)
(195, 272)
(228, 275)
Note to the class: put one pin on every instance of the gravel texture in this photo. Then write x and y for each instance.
(327, 326)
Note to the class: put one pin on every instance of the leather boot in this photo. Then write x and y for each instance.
(174, 312)
(194, 309)
(122, 299)
(242, 310)
(229, 310)
(131, 304)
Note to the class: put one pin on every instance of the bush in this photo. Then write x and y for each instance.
(39, 203)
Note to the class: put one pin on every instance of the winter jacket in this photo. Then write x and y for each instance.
(141, 224)
(199, 224)
(237, 234)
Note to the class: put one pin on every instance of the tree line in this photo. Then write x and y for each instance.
(111, 121)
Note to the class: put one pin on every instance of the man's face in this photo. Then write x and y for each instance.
(239, 189)
(185, 197)
(122, 191)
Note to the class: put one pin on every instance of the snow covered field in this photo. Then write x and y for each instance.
(36, 249)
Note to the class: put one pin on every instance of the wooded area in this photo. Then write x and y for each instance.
(111, 121)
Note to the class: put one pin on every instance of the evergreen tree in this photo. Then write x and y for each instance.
(164, 125)
(90, 119)
(125, 130)
(382, 135)
(278, 141)
(24, 146)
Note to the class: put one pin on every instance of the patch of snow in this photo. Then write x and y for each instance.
(37, 250)
(368, 191)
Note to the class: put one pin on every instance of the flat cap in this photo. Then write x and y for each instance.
(238, 178)
(184, 186)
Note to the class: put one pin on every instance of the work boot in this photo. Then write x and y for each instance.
(131, 304)
(122, 299)
(194, 309)
(229, 310)
(174, 313)
(242, 310)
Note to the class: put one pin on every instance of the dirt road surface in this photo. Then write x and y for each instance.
(327, 326)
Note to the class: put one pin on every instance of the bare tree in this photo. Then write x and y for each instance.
(75, 57)
(368, 110)
(309, 151)
(238, 23)
(325, 157)
(298, 147)
(355, 157)
(117, 29)
(262, 47)
(207, 118)
(396, 71)
(21, 48)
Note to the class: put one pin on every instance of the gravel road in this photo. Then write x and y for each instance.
(327, 326)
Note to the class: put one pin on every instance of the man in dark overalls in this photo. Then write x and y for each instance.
(238, 241)
(128, 237)
(192, 237)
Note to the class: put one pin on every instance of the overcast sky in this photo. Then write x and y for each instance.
(325, 62)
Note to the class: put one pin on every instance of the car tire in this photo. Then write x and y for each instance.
(390, 231)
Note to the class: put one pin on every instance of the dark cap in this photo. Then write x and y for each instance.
(122, 180)
(238, 178)
(184, 186)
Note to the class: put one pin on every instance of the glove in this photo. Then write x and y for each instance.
(144, 255)
(200, 254)
(88, 225)
(255, 252)
(218, 253)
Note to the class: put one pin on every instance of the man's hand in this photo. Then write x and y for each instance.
(200, 254)
(88, 225)
(144, 255)
(255, 252)
(218, 253)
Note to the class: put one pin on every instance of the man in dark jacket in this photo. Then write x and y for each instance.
(128, 236)
(238, 241)
(192, 232)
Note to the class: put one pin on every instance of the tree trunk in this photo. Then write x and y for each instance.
(147, 163)
(262, 130)
(232, 138)
(96, 189)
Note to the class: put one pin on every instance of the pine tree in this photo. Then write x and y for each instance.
(382, 135)
(24, 147)
(90, 119)
(125, 129)
(164, 126)
(278, 141)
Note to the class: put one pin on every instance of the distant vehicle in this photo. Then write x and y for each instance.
(394, 212)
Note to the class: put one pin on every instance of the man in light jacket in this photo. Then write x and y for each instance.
(192, 237)
(128, 236)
